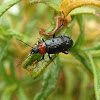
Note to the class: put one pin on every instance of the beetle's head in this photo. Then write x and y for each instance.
(34, 50)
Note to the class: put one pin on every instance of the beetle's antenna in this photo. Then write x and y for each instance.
(24, 60)
(24, 42)
(61, 24)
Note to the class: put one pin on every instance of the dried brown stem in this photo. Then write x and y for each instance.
(58, 23)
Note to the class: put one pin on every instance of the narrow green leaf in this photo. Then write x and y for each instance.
(21, 94)
(2, 85)
(81, 22)
(4, 22)
(7, 5)
(2, 30)
(49, 82)
(51, 3)
(4, 51)
(79, 55)
(70, 27)
(70, 82)
(35, 71)
(12, 69)
(11, 32)
(96, 74)
(4, 73)
(84, 83)
(96, 46)
(82, 10)
(95, 53)
(8, 92)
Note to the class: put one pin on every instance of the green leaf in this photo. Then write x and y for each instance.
(96, 46)
(81, 22)
(8, 33)
(2, 30)
(35, 71)
(7, 5)
(49, 81)
(4, 73)
(4, 51)
(85, 79)
(21, 94)
(51, 3)
(4, 22)
(8, 92)
(70, 27)
(95, 53)
(82, 10)
(96, 74)
(79, 55)
(12, 69)
(11, 32)
(70, 81)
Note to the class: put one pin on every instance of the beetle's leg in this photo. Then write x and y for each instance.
(51, 58)
(61, 24)
(43, 40)
(65, 52)
(43, 56)
(54, 35)
(68, 49)
(39, 42)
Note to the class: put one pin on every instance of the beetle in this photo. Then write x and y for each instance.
(51, 46)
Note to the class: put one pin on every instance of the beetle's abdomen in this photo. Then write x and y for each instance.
(56, 45)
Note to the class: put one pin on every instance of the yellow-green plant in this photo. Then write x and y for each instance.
(73, 74)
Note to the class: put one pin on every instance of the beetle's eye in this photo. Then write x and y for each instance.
(32, 51)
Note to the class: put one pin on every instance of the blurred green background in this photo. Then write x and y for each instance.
(74, 76)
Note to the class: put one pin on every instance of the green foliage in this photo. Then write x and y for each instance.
(49, 81)
(81, 23)
(96, 73)
(51, 3)
(81, 10)
(7, 5)
(7, 94)
(21, 94)
(71, 77)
